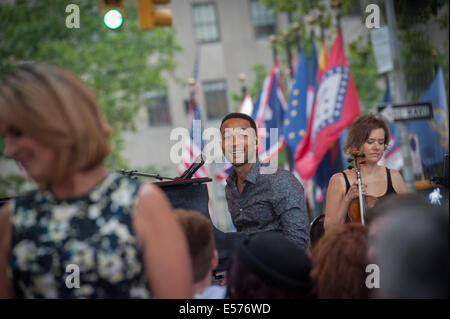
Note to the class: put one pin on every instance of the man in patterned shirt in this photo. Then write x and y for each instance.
(259, 201)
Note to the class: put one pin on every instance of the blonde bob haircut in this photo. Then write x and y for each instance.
(360, 129)
(54, 107)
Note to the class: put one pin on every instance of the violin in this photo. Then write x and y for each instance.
(354, 212)
(357, 209)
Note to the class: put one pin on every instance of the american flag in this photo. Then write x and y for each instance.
(194, 145)
(268, 113)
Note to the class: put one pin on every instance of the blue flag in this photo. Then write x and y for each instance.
(433, 134)
(295, 119)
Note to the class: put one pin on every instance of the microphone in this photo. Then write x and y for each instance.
(198, 162)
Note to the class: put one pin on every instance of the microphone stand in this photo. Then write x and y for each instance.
(133, 173)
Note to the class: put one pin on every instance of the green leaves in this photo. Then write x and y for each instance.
(119, 66)
(364, 71)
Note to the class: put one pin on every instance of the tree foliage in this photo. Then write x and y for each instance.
(418, 56)
(118, 65)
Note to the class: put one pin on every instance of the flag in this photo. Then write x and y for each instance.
(331, 162)
(246, 107)
(193, 146)
(433, 134)
(336, 105)
(312, 76)
(295, 119)
(322, 60)
(268, 113)
(393, 157)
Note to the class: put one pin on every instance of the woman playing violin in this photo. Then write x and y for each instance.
(368, 135)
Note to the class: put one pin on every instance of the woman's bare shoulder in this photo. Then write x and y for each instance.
(398, 181)
(337, 180)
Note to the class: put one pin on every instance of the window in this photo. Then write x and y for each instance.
(158, 108)
(206, 27)
(263, 20)
(215, 99)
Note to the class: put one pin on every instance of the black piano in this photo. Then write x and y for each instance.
(193, 194)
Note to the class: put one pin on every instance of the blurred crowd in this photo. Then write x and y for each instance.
(128, 241)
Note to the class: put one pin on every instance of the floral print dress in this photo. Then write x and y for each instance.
(83, 247)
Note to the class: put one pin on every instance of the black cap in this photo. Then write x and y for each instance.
(277, 261)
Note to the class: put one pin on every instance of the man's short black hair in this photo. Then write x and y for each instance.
(240, 116)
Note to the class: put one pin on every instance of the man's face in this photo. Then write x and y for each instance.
(238, 141)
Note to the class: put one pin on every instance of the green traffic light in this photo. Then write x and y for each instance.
(113, 19)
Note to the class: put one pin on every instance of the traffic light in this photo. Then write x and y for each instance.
(150, 17)
(113, 14)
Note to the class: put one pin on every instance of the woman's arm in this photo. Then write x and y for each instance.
(165, 250)
(337, 201)
(6, 290)
(397, 182)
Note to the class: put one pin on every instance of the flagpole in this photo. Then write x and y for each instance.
(296, 28)
(337, 6)
(273, 40)
(311, 32)
(322, 32)
(291, 76)
(316, 209)
(400, 96)
(435, 64)
(242, 78)
(288, 54)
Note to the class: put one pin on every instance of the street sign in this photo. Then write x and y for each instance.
(406, 111)
(382, 49)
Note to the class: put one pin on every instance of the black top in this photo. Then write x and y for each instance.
(389, 190)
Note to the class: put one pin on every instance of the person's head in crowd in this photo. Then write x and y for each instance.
(392, 204)
(412, 253)
(199, 234)
(51, 123)
(269, 266)
(339, 263)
